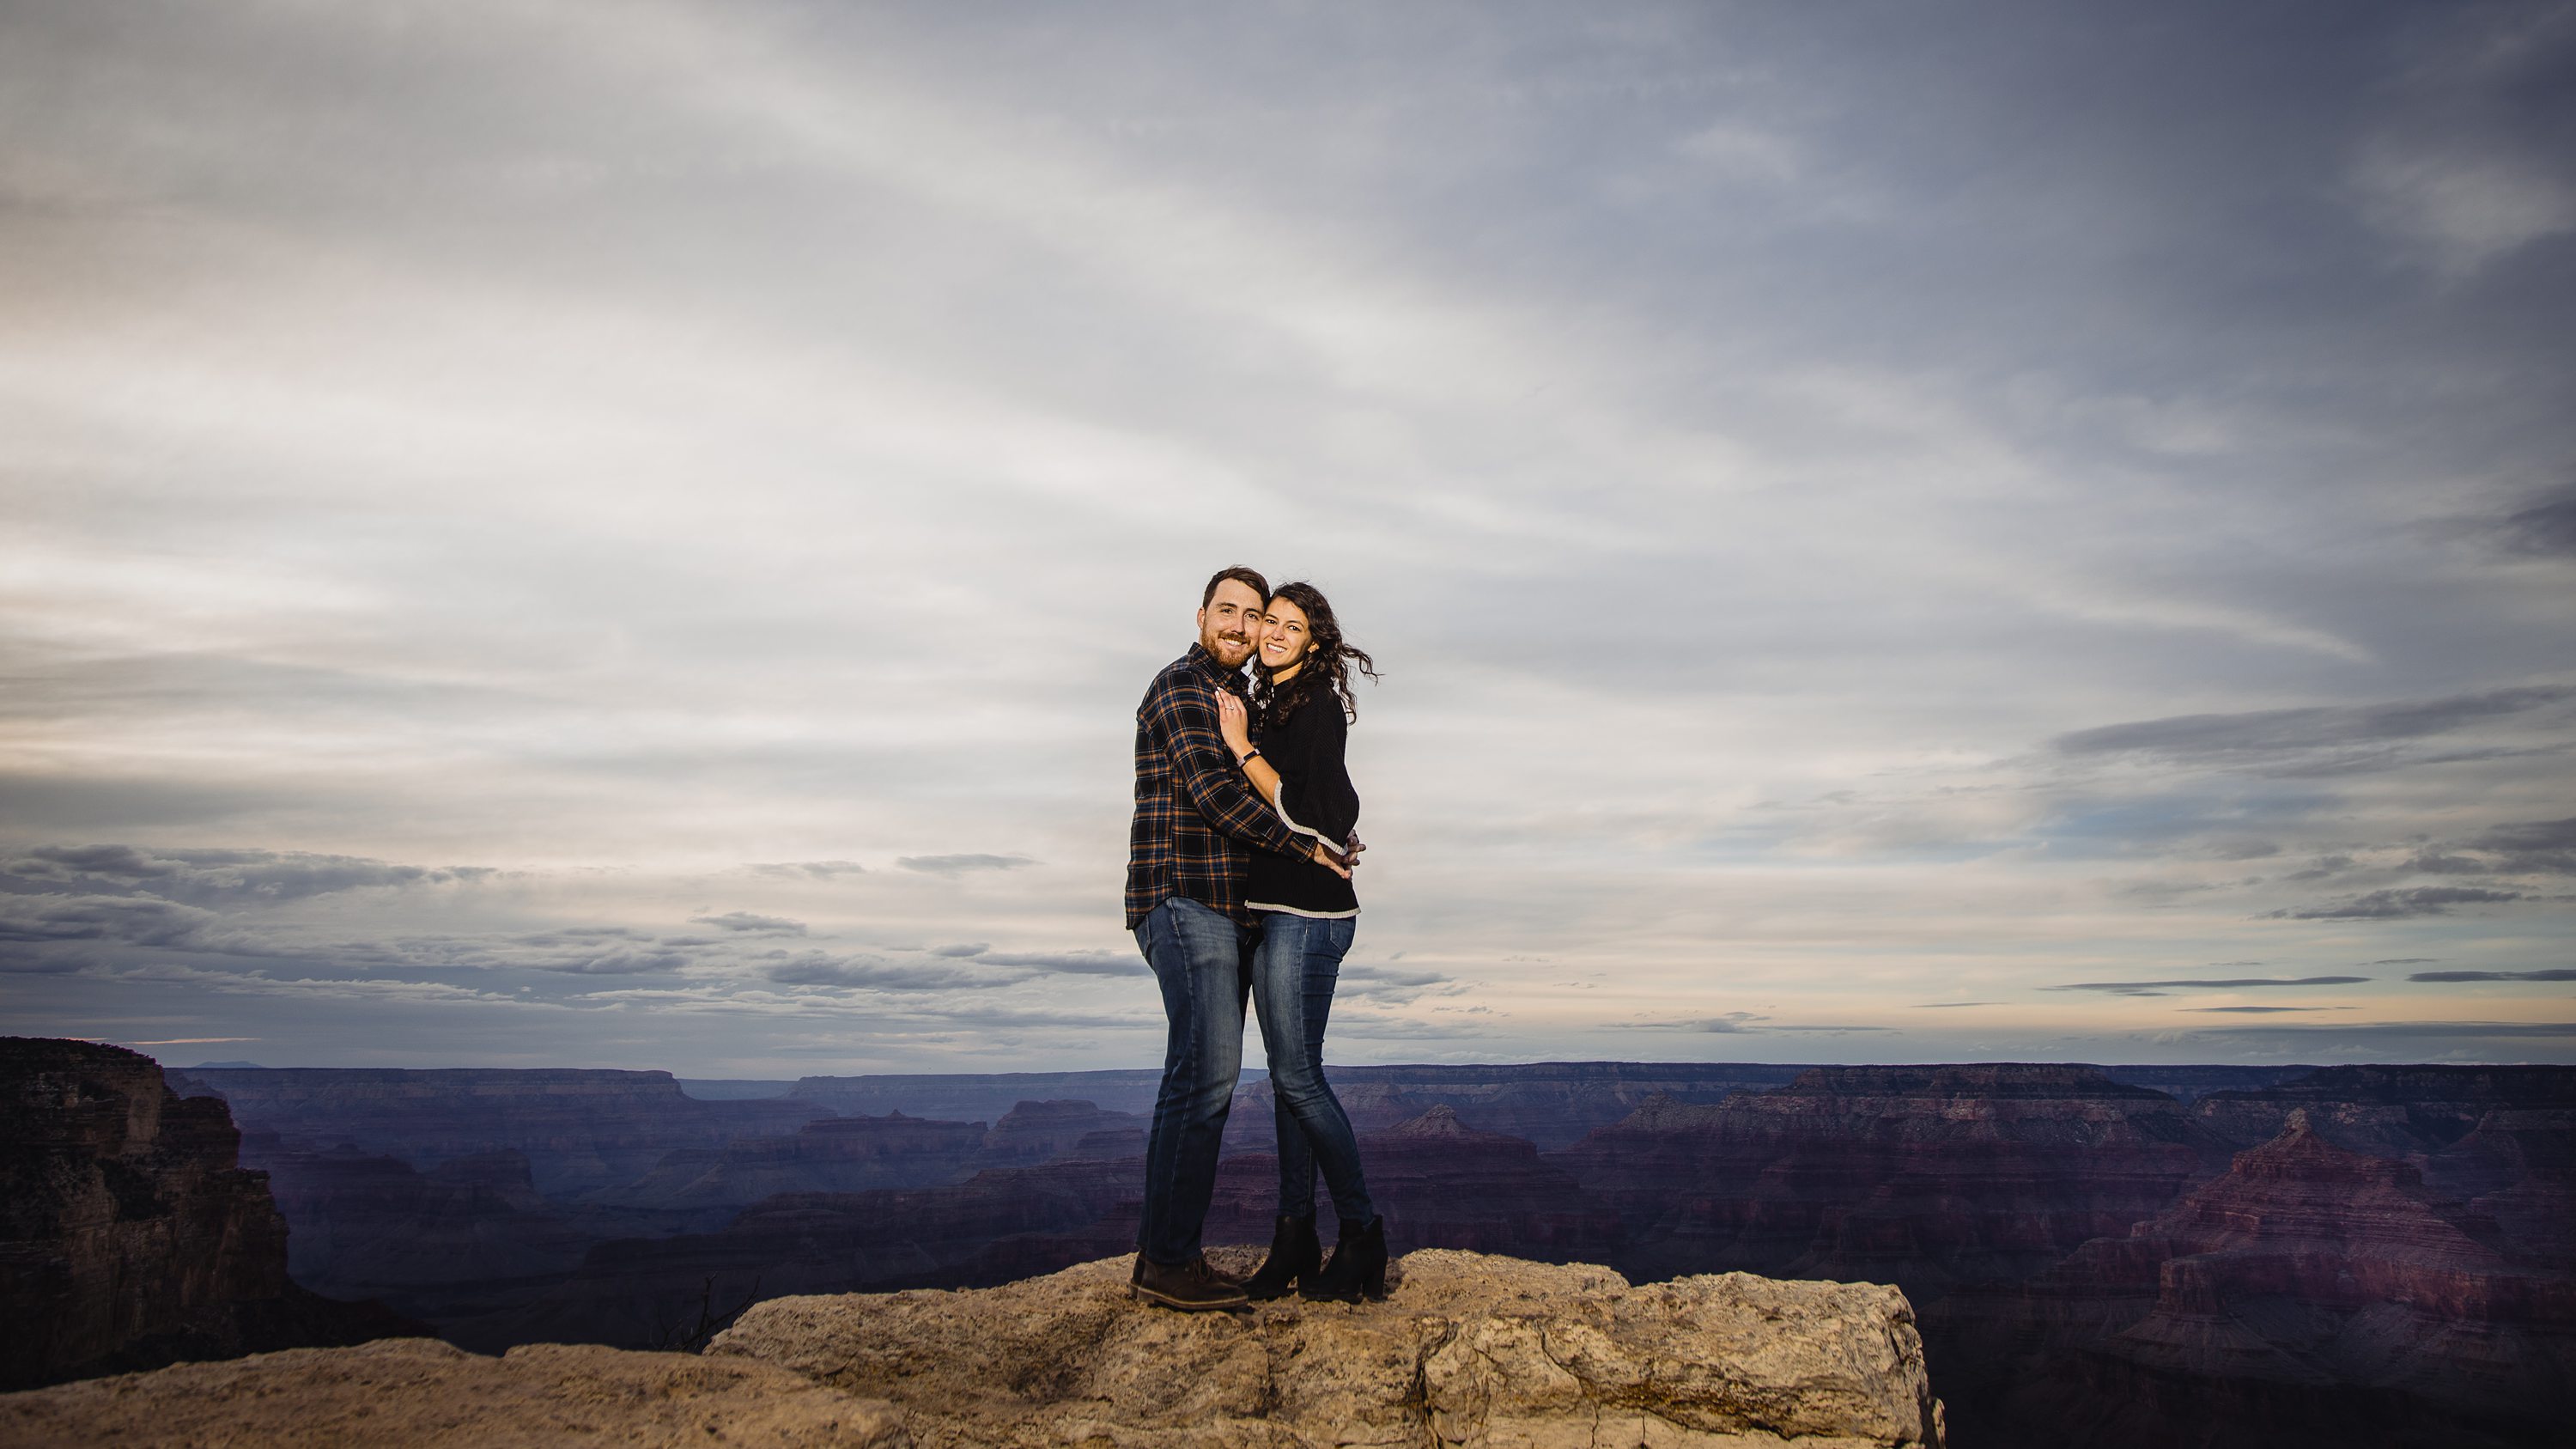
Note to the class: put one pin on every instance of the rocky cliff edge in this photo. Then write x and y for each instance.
(1468, 1350)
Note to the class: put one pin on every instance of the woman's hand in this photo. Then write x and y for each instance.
(1234, 723)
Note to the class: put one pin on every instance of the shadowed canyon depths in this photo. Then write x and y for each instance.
(2126, 1255)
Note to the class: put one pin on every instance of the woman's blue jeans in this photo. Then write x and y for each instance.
(1293, 973)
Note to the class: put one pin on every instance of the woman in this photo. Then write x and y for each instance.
(1307, 913)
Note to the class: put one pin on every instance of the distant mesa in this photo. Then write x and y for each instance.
(579, 1128)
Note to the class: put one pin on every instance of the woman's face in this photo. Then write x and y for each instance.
(1284, 640)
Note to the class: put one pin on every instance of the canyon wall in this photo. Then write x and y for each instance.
(1920, 1176)
(129, 1233)
(2311, 1295)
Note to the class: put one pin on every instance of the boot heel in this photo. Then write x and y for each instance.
(1295, 1258)
(1373, 1261)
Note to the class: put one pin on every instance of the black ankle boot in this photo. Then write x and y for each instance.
(1358, 1269)
(1295, 1254)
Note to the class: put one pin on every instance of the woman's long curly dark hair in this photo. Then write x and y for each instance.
(1328, 664)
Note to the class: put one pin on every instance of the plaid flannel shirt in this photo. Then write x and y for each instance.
(1197, 819)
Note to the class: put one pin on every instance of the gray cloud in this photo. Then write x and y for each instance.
(960, 864)
(2265, 1010)
(808, 869)
(2233, 983)
(110, 920)
(2526, 847)
(2546, 529)
(2317, 739)
(615, 962)
(2432, 1030)
(1078, 963)
(1733, 1023)
(961, 950)
(747, 921)
(205, 877)
(1389, 985)
(2531, 845)
(2393, 905)
(582, 935)
(2555, 973)
(816, 969)
(1745, 1023)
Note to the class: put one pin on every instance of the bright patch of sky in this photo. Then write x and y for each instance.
(631, 534)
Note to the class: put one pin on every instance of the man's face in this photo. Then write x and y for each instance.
(1231, 623)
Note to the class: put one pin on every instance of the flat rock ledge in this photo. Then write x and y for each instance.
(1468, 1350)
(421, 1392)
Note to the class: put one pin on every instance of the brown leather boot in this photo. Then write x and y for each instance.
(1191, 1287)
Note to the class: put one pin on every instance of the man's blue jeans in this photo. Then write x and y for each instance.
(1293, 974)
(1204, 962)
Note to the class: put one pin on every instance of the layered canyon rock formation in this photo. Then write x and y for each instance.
(1470, 1351)
(463, 1241)
(1920, 1176)
(2054, 1227)
(856, 1154)
(1437, 1182)
(2313, 1294)
(578, 1129)
(129, 1234)
(968, 1097)
(2034, 1214)
(1441, 1184)
(837, 1154)
(1549, 1104)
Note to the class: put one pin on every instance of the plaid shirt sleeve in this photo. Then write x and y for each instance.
(1197, 819)
(1187, 729)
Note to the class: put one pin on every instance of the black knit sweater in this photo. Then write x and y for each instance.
(1315, 798)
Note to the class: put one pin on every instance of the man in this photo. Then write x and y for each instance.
(1197, 822)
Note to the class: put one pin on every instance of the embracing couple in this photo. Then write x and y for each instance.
(1239, 885)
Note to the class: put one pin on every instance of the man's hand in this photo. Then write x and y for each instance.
(1324, 857)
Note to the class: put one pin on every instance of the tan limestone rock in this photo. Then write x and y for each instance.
(1468, 1350)
(417, 1393)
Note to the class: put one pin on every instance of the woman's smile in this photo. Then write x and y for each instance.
(1284, 637)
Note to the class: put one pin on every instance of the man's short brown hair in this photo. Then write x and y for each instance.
(1240, 575)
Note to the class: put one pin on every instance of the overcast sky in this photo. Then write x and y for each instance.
(630, 534)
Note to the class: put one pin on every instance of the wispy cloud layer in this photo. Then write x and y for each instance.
(635, 532)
